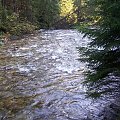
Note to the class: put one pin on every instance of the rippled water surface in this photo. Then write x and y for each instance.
(40, 79)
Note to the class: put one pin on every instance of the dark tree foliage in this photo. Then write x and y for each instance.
(46, 12)
(18, 17)
(103, 52)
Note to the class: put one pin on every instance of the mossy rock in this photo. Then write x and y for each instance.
(13, 105)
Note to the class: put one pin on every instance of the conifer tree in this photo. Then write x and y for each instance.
(103, 52)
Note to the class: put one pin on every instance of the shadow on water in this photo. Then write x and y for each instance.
(40, 79)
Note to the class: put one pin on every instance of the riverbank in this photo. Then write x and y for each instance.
(7, 37)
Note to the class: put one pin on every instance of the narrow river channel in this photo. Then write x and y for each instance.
(40, 79)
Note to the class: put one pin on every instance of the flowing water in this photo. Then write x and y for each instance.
(40, 79)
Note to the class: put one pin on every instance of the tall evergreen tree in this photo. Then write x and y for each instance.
(103, 53)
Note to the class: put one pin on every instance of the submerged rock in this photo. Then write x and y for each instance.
(14, 37)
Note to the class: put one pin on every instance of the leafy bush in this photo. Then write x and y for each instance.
(22, 28)
(16, 27)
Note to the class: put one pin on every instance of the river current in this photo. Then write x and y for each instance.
(40, 79)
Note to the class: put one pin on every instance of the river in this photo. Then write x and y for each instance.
(40, 79)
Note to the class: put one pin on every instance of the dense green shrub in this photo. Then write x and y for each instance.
(16, 27)
(22, 28)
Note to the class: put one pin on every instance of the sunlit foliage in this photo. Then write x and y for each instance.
(66, 7)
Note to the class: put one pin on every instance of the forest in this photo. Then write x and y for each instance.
(96, 20)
